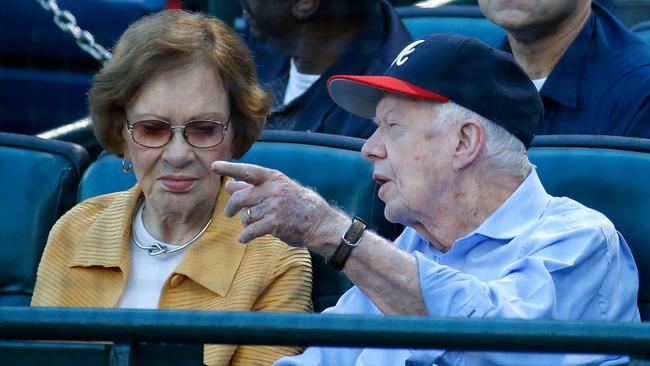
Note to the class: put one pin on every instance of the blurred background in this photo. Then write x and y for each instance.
(44, 75)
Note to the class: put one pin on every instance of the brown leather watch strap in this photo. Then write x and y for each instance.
(349, 241)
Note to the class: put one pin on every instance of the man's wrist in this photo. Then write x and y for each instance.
(349, 241)
(327, 243)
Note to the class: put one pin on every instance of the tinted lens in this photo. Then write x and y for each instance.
(151, 133)
(204, 133)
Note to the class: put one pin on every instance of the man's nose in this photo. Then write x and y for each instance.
(373, 148)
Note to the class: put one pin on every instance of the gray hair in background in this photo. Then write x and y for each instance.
(503, 152)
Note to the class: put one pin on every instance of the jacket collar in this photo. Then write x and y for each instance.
(107, 241)
(217, 250)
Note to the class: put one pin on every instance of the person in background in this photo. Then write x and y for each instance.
(592, 72)
(483, 239)
(298, 45)
(179, 93)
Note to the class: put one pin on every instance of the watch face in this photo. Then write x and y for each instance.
(349, 241)
(354, 233)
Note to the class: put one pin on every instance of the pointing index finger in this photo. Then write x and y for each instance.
(248, 173)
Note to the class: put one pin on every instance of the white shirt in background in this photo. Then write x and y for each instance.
(298, 83)
(539, 83)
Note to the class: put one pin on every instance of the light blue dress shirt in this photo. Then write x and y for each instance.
(535, 257)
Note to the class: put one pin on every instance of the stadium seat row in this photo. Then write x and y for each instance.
(44, 178)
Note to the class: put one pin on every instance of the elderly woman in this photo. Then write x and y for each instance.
(179, 93)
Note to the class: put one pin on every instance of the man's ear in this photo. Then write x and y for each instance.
(471, 139)
(303, 9)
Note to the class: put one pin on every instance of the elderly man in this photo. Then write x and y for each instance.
(592, 72)
(483, 238)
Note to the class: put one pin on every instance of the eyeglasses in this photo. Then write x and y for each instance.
(202, 134)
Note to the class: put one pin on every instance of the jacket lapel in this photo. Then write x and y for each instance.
(101, 263)
(213, 260)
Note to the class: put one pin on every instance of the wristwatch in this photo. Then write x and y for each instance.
(349, 241)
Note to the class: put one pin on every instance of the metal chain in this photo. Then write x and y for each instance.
(68, 24)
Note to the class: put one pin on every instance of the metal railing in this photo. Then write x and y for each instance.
(129, 327)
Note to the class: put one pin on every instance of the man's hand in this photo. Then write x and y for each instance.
(300, 217)
(274, 204)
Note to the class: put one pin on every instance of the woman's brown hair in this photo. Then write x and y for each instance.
(168, 40)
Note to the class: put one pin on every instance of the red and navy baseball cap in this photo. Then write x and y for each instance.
(444, 67)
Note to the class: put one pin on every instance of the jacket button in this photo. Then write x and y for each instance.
(176, 280)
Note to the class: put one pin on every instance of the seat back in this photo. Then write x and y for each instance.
(331, 165)
(460, 19)
(609, 174)
(104, 176)
(39, 184)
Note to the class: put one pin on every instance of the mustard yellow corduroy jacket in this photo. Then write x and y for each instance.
(86, 263)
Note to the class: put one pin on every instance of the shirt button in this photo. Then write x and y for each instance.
(176, 280)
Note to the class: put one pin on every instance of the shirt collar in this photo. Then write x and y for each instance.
(563, 82)
(217, 250)
(522, 209)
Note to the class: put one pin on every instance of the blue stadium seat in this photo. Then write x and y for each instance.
(332, 165)
(39, 184)
(607, 173)
(104, 176)
(642, 30)
(461, 19)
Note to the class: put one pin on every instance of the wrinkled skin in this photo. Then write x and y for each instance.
(279, 207)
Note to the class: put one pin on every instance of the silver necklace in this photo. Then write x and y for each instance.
(158, 248)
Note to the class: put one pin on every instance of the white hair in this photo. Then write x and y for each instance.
(503, 152)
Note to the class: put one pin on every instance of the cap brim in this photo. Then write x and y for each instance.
(360, 94)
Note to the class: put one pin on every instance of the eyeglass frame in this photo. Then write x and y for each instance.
(225, 127)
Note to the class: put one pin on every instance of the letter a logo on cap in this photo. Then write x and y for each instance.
(403, 55)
